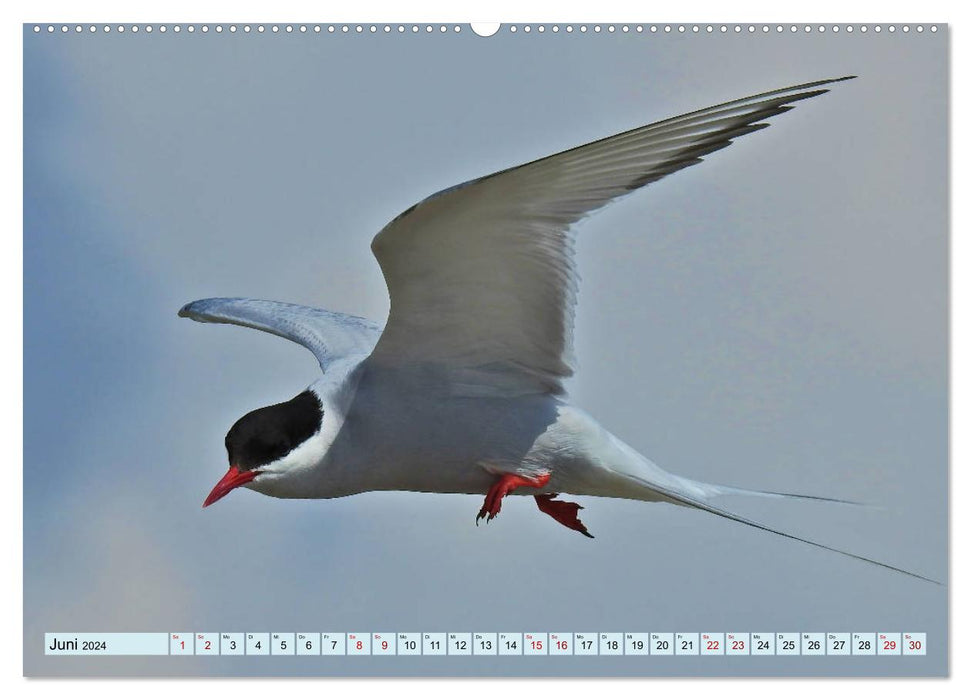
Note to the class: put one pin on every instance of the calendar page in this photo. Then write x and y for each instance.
(485, 350)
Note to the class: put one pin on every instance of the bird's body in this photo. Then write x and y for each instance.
(462, 390)
(394, 434)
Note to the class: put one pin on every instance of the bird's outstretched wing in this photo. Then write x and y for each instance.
(482, 277)
(330, 336)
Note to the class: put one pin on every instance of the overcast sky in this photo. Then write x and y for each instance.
(774, 318)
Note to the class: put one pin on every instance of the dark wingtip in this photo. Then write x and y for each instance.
(829, 81)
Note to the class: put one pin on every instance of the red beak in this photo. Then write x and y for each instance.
(233, 478)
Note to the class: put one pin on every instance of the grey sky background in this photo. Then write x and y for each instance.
(774, 318)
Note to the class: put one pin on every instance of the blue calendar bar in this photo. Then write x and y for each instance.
(294, 644)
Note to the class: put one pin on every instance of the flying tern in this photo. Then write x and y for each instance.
(462, 389)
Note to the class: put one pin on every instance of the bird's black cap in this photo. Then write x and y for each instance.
(267, 434)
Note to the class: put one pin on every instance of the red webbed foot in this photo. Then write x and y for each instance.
(506, 484)
(563, 512)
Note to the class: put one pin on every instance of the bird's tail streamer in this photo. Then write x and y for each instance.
(721, 490)
(692, 502)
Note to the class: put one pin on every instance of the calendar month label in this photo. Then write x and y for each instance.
(107, 644)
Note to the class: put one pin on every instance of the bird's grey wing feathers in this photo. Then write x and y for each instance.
(327, 334)
(482, 277)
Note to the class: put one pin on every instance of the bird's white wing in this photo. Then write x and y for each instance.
(330, 336)
(482, 277)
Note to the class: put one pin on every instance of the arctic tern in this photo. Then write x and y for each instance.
(461, 391)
